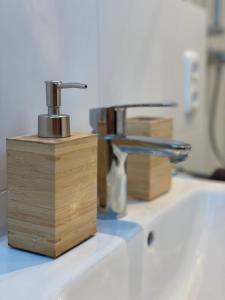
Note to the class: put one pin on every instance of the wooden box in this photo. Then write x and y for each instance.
(148, 176)
(52, 192)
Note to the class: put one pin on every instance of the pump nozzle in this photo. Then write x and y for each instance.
(53, 124)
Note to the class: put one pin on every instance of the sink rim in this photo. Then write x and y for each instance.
(92, 251)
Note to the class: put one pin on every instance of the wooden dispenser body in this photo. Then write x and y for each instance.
(52, 192)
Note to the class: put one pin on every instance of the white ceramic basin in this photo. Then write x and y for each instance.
(182, 259)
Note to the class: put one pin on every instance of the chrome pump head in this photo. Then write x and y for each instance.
(53, 124)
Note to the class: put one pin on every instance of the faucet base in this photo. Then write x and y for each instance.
(109, 214)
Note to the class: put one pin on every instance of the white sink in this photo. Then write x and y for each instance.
(169, 249)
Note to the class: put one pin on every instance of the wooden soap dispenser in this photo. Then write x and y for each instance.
(52, 186)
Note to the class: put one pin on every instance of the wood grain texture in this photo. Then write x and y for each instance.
(148, 176)
(52, 192)
(103, 165)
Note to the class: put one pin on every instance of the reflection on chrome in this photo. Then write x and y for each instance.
(110, 125)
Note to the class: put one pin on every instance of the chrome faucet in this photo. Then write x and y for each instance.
(114, 146)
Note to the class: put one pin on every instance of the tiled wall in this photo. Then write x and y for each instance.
(125, 50)
(141, 59)
(44, 40)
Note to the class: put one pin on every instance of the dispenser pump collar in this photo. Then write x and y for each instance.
(53, 124)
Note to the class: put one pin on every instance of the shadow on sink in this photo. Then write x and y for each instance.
(12, 259)
(121, 228)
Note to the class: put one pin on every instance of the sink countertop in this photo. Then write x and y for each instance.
(27, 272)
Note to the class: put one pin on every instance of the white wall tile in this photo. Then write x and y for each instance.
(45, 40)
(140, 59)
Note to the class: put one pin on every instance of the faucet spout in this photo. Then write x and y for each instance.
(118, 148)
(114, 145)
(176, 151)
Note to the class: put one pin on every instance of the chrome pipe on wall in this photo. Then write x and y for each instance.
(216, 27)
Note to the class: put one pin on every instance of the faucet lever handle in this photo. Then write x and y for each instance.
(136, 105)
(114, 117)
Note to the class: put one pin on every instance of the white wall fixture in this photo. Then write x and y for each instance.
(191, 81)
